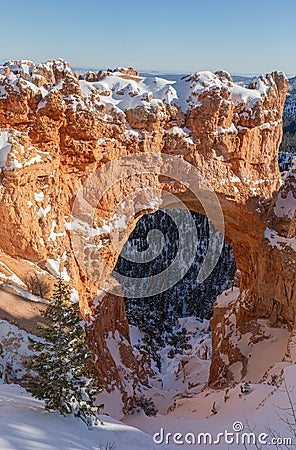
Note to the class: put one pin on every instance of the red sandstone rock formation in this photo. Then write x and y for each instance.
(56, 130)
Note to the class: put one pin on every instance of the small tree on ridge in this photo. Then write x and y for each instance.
(61, 361)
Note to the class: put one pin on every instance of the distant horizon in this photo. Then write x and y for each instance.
(153, 71)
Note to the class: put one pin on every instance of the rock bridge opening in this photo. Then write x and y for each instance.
(178, 293)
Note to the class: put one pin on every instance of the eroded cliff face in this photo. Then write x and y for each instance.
(57, 130)
(266, 299)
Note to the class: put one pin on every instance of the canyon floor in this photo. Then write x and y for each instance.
(185, 404)
(24, 425)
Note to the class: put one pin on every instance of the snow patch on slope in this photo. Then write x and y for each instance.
(24, 425)
(14, 346)
(278, 241)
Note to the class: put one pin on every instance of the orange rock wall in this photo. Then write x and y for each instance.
(56, 130)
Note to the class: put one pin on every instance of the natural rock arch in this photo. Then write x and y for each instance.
(265, 293)
(57, 129)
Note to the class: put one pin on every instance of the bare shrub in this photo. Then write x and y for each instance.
(141, 404)
(37, 284)
(108, 446)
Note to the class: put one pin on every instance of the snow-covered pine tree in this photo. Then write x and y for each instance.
(61, 361)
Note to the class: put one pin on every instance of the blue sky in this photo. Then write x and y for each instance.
(167, 35)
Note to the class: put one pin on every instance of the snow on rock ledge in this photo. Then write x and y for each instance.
(227, 298)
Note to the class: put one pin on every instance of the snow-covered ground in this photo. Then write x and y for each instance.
(262, 412)
(185, 405)
(14, 352)
(24, 425)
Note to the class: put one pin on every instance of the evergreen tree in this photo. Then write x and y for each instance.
(61, 362)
